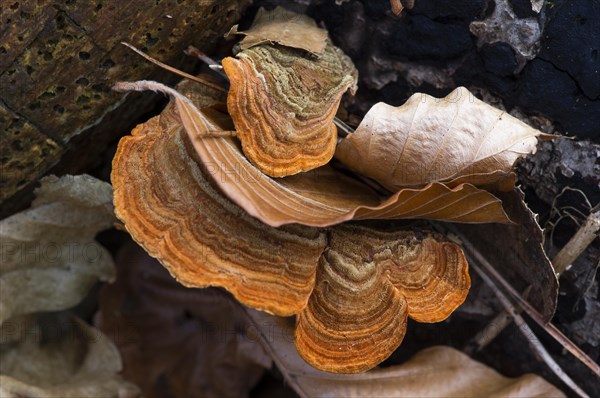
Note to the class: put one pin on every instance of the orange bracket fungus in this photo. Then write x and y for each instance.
(351, 287)
(170, 207)
(367, 283)
(283, 99)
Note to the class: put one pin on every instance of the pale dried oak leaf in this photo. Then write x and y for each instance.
(62, 359)
(433, 372)
(49, 256)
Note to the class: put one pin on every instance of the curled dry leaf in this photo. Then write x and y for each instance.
(283, 27)
(322, 197)
(173, 209)
(519, 256)
(65, 358)
(433, 372)
(49, 256)
(453, 140)
(283, 102)
(177, 342)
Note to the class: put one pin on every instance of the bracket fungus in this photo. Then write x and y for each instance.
(368, 282)
(352, 287)
(167, 201)
(283, 101)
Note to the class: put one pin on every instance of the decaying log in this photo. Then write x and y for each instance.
(58, 60)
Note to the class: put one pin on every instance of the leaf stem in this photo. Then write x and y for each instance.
(174, 70)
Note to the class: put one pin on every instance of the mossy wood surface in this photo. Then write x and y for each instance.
(58, 60)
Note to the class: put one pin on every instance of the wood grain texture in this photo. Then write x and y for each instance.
(59, 58)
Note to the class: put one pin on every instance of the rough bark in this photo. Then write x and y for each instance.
(58, 60)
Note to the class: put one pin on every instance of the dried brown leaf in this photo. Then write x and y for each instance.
(323, 196)
(49, 256)
(517, 252)
(283, 27)
(434, 372)
(452, 140)
(176, 341)
(65, 358)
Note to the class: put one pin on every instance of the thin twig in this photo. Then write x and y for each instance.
(531, 338)
(552, 330)
(493, 328)
(217, 133)
(174, 70)
(343, 129)
(578, 243)
(212, 64)
(569, 253)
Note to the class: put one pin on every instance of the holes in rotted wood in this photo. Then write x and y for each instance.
(60, 22)
(82, 99)
(150, 40)
(109, 63)
(16, 125)
(100, 88)
(84, 55)
(47, 95)
(17, 145)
